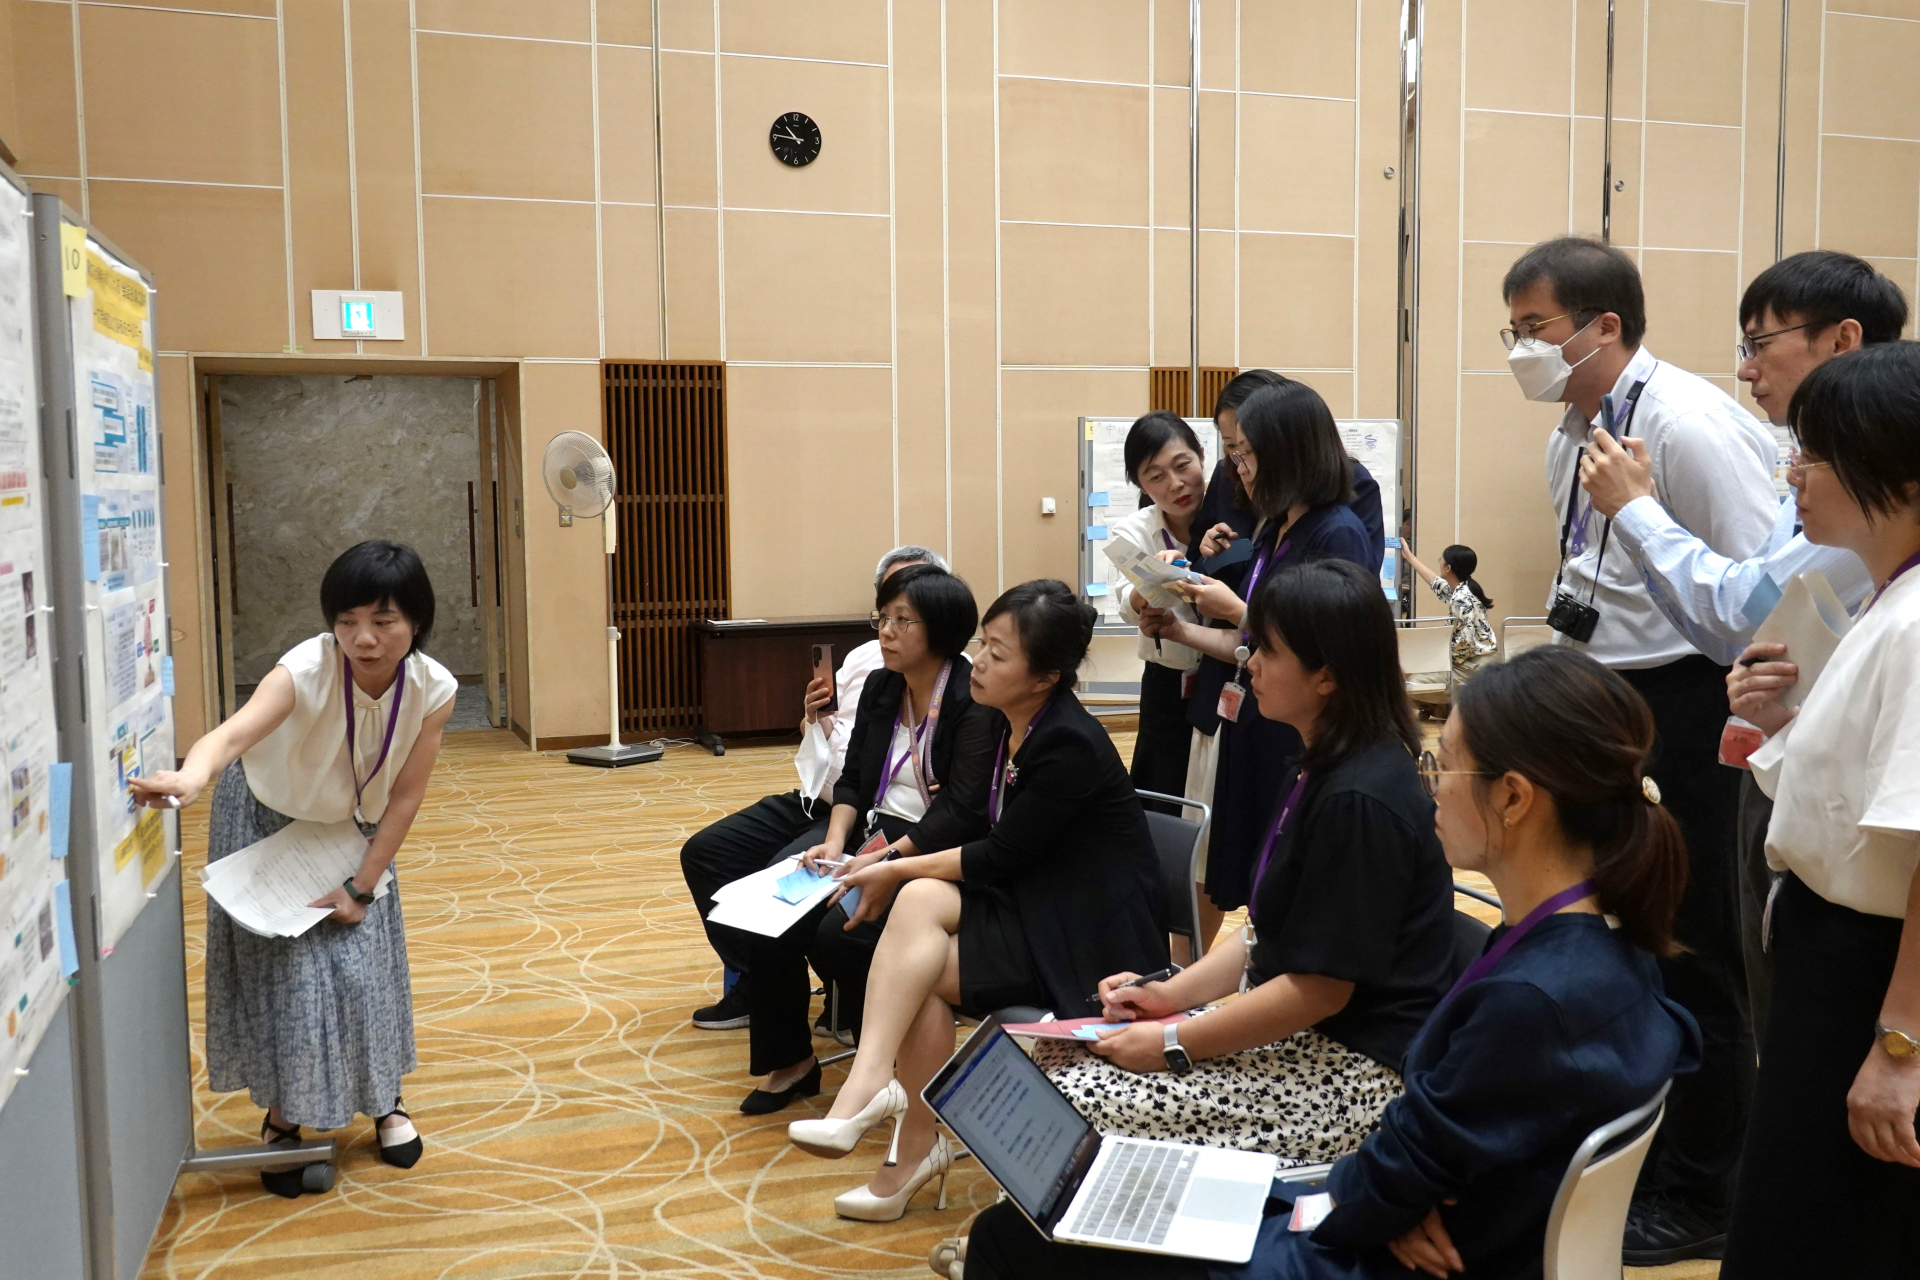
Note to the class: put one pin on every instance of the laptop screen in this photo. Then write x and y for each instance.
(1014, 1119)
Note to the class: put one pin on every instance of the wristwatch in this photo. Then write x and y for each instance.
(1898, 1044)
(364, 899)
(1177, 1060)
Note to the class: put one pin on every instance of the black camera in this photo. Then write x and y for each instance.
(1573, 619)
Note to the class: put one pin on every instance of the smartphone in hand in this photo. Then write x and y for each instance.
(823, 670)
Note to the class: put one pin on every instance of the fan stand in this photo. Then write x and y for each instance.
(614, 755)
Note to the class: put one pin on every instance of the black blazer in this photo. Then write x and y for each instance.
(1073, 852)
(961, 758)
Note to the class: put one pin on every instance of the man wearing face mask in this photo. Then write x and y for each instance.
(1577, 318)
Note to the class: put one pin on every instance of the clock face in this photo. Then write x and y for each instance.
(795, 139)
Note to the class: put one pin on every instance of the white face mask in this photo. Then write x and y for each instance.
(814, 762)
(1540, 368)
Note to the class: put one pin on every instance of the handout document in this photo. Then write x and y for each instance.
(1154, 576)
(266, 886)
(772, 900)
(1811, 622)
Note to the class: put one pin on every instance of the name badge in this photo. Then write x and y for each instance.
(1231, 695)
(1738, 741)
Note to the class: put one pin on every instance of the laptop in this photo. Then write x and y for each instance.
(1079, 1187)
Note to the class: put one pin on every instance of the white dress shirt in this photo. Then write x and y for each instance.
(1146, 530)
(848, 683)
(1714, 601)
(1712, 471)
(1845, 772)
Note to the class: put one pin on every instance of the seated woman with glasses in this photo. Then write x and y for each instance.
(1560, 1027)
(915, 781)
(1351, 940)
(1062, 890)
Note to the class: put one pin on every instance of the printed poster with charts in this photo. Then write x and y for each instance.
(130, 714)
(32, 878)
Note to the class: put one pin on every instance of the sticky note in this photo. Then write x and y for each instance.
(1093, 1032)
(794, 887)
(166, 674)
(63, 911)
(1392, 541)
(90, 535)
(1089, 431)
(73, 260)
(59, 805)
(1099, 499)
(1761, 601)
(1096, 588)
(1097, 532)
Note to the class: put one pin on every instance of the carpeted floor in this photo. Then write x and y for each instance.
(576, 1125)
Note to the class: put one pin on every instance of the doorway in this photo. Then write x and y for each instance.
(303, 466)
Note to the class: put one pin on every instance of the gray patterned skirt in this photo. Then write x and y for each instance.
(1306, 1099)
(320, 1026)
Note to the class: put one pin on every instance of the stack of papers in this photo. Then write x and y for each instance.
(1811, 622)
(771, 901)
(1154, 576)
(266, 886)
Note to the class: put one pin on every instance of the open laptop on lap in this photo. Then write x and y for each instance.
(1078, 1187)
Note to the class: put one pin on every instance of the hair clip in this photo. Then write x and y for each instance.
(1650, 789)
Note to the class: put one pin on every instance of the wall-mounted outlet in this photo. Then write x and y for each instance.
(1046, 506)
(566, 516)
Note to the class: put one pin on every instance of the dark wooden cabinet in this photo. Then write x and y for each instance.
(754, 671)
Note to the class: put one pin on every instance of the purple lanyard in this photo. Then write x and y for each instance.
(1168, 539)
(1280, 820)
(917, 743)
(1907, 564)
(1498, 951)
(1009, 774)
(393, 722)
(1260, 567)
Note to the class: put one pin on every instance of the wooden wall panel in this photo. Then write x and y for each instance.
(1168, 388)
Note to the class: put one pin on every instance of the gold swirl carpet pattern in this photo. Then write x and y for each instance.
(576, 1124)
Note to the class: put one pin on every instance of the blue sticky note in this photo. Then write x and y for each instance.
(90, 535)
(1096, 588)
(1098, 499)
(63, 911)
(1762, 601)
(166, 674)
(794, 886)
(1093, 1032)
(59, 805)
(1393, 542)
(1097, 532)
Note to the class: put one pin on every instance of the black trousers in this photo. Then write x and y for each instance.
(1162, 743)
(1752, 883)
(739, 845)
(1002, 1245)
(778, 997)
(1695, 1155)
(1811, 1202)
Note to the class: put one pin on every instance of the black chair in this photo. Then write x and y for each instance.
(1177, 842)
(1470, 934)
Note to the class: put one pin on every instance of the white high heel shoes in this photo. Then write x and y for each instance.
(865, 1206)
(834, 1138)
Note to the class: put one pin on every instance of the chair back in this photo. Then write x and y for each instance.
(1426, 649)
(1176, 842)
(1469, 940)
(1517, 635)
(1589, 1215)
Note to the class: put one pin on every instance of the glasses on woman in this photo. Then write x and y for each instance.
(890, 621)
(1798, 464)
(1431, 773)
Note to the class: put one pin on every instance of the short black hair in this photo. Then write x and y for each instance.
(1587, 278)
(1332, 613)
(1055, 626)
(1299, 455)
(1243, 385)
(1820, 288)
(388, 574)
(1149, 434)
(945, 605)
(1861, 412)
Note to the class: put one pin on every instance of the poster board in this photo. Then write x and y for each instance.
(1106, 495)
(34, 905)
(1375, 442)
(128, 673)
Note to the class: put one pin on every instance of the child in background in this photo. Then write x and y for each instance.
(1473, 641)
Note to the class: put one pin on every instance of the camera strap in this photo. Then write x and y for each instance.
(1573, 496)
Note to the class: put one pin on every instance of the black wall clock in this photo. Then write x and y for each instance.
(795, 139)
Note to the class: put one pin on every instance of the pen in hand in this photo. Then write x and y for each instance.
(1158, 975)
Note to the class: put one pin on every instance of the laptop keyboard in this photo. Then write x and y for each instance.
(1137, 1194)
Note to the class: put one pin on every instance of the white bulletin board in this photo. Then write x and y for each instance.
(1105, 495)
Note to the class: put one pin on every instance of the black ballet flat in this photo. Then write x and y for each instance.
(402, 1152)
(285, 1183)
(765, 1102)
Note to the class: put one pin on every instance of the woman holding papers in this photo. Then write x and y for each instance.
(319, 1028)
(1561, 1026)
(1063, 890)
(1830, 1175)
(915, 781)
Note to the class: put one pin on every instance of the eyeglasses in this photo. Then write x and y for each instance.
(1530, 330)
(898, 622)
(1797, 464)
(1749, 347)
(1431, 773)
(1239, 452)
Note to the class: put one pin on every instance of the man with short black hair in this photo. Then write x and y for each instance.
(1578, 315)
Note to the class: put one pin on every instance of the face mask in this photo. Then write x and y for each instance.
(1540, 368)
(814, 762)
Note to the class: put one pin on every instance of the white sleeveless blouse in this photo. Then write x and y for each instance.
(301, 770)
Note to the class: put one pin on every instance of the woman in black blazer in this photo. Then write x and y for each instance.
(1063, 890)
(915, 779)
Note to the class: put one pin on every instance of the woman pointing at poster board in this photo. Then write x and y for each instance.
(318, 1028)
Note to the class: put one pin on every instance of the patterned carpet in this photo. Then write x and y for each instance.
(576, 1125)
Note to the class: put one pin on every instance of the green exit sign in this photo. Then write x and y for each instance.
(356, 317)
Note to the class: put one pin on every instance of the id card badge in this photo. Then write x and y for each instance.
(1231, 695)
(1186, 685)
(1738, 741)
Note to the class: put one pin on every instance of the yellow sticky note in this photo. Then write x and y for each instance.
(1089, 431)
(73, 260)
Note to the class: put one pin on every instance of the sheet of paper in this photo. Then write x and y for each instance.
(266, 886)
(1071, 1028)
(1151, 574)
(1810, 621)
(753, 902)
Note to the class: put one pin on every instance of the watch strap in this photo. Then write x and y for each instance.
(1896, 1042)
(364, 899)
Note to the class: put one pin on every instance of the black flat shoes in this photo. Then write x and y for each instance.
(764, 1101)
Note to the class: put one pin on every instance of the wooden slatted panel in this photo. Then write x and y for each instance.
(1168, 388)
(666, 427)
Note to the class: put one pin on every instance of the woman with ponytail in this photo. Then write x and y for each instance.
(1473, 641)
(1559, 1027)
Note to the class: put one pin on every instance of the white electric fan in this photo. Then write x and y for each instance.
(579, 477)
